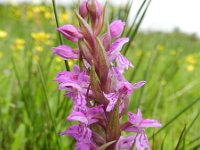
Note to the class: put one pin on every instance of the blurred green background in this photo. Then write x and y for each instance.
(33, 111)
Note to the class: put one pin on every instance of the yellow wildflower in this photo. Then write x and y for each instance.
(3, 34)
(190, 59)
(17, 13)
(29, 14)
(160, 47)
(38, 48)
(40, 36)
(190, 68)
(1, 55)
(36, 58)
(70, 63)
(38, 9)
(19, 41)
(47, 15)
(138, 53)
(18, 44)
(173, 52)
(58, 59)
(58, 68)
(64, 17)
(50, 43)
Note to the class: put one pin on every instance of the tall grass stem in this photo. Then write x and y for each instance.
(59, 35)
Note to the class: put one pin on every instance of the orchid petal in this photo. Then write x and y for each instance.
(142, 142)
(77, 116)
(150, 123)
(112, 97)
(125, 143)
(132, 129)
(118, 44)
(123, 63)
(70, 32)
(138, 84)
(66, 52)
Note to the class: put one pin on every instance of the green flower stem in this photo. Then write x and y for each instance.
(59, 35)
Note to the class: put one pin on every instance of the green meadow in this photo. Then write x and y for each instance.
(33, 112)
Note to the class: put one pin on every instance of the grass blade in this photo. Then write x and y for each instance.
(163, 141)
(180, 138)
(193, 141)
(21, 90)
(196, 147)
(127, 10)
(134, 72)
(146, 74)
(190, 126)
(136, 17)
(47, 103)
(177, 115)
(133, 34)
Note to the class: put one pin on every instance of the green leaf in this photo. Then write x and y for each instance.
(103, 147)
(113, 128)
(95, 86)
(19, 138)
(103, 66)
(85, 51)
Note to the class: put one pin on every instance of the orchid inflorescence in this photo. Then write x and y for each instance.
(99, 91)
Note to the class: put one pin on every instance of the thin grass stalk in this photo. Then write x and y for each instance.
(153, 143)
(120, 12)
(168, 71)
(193, 141)
(188, 129)
(133, 34)
(145, 77)
(49, 64)
(190, 126)
(59, 35)
(180, 138)
(135, 19)
(21, 90)
(157, 101)
(47, 102)
(177, 115)
(163, 141)
(196, 147)
(134, 72)
(127, 10)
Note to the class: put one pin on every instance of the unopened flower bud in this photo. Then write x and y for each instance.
(94, 7)
(83, 9)
(106, 41)
(116, 28)
(66, 52)
(70, 32)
